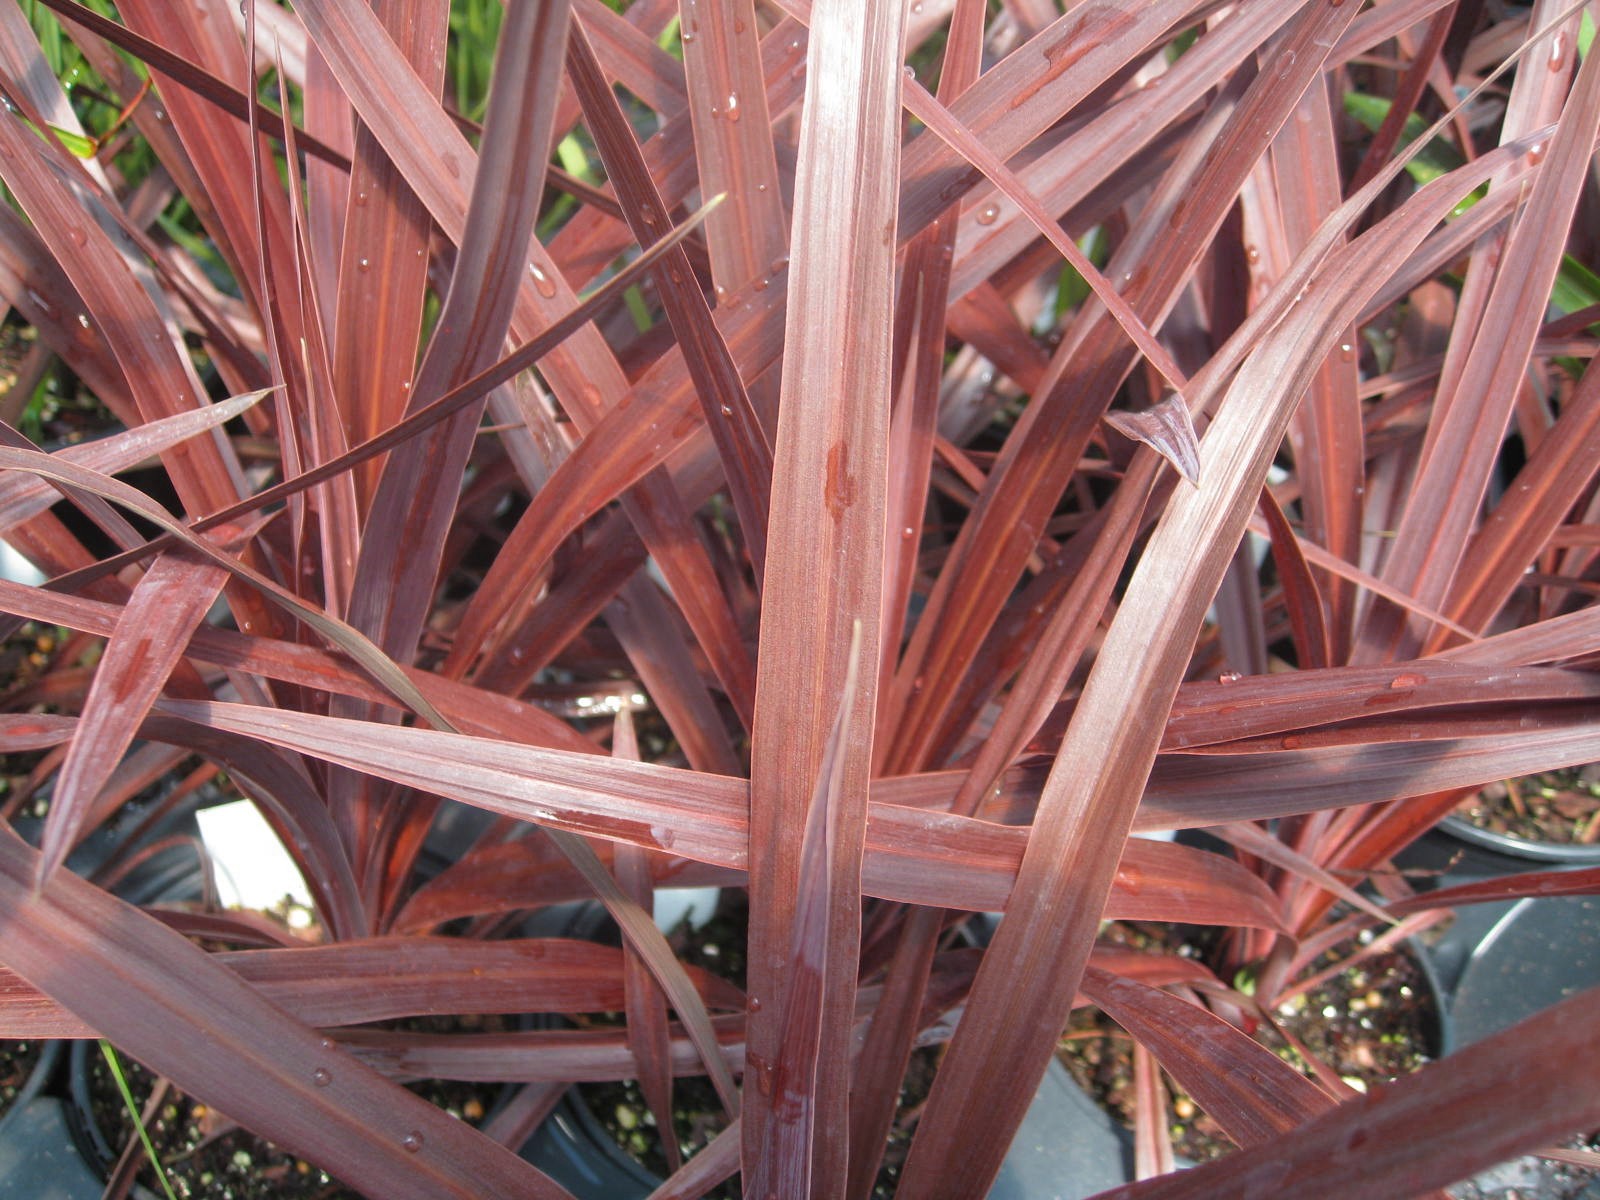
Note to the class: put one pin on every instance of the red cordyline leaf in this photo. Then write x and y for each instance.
(1152, 1147)
(335, 503)
(1015, 1010)
(378, 979)
(1125, 142)
(110, 283)
(416, 498)
(741, 442)
(24, 63)
(252, 239)
(720, 60)
(1301, 596)
(150, 991)
(940, 121)
(25, 496)
(636, 925)
(1216, 712)
(1483, 374)
(566, 1055)
(41, 294)
(627, 46)
(793, 1075)
(920, 332)
(359, 648)
(1029, 90)
(1253, 1094)
(383, 264)
(1538, 500)
(1525, 1086)
(585, 375)
(452, 402)
(913, 854)
(34, 731)
(642, 935)
(151, 636)
(591, 476)
(222, 94)
(828, 491)
(1554, 639)
(1583, 882)
(645, 1002)
(525, 874)
(468, 708)
(1253, 840)
(1188, 791)
(717, 1162)
(1048, 441)
(1326, 432)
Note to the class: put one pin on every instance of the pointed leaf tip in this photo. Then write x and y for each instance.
(1168, 429)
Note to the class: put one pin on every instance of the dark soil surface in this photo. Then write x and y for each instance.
(1558, 806)
(697, 1114)
(17, 1060)
(1372, 1023)
(697, 1117)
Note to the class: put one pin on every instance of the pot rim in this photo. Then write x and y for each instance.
(1515, 847)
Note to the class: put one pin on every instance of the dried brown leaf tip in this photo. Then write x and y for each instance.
(1167, 428)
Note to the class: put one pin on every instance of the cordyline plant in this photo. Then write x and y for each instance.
(939, 368)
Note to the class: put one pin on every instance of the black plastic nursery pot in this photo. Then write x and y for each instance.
(39, 1160)
(1536, 954)
(1546, 947)
(1510, 962)
(1553, 815)
(575, 1150)
(1520, 853)
(1067, 1148)
(1505, 961)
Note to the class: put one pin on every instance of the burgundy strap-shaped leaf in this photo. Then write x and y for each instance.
(644, 1000)
(1048, 441)
(1582, 882)
(913, 854)
(466, 707)
(1255, 1098)
(63, 206)
(828, 495)
(1483, 374)
(23, 496)
(791, 1080)
(360, 981)
(741, 442)
(919, 352)
(717, 1162)
(383, 264)
(149, 642)
(416, 497)
(1016, 1008)
(583, 371)
(224, 95)
(151, 992)
(1519, 1089)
